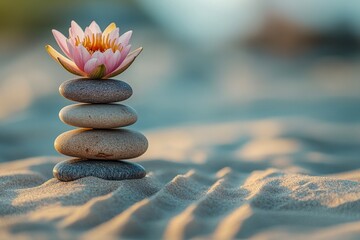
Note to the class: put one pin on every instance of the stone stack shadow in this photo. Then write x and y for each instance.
(101, 143)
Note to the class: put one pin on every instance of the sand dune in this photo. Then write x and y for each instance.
(201, 183)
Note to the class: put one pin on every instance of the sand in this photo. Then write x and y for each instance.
(269, 179)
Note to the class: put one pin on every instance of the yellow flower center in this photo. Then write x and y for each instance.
(98, 42)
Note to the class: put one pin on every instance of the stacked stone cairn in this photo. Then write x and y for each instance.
(100, 144)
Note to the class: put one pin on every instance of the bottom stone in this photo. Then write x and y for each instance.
(73, 169)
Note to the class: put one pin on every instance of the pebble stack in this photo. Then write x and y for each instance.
(100, 144)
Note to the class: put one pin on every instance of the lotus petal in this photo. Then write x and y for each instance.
(61, 41)
(109, 29)
(66, 63)
(94, 27)
(126, 63)
(76, 30)
(125, 38)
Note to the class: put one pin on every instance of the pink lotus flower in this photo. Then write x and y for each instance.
(93, 53)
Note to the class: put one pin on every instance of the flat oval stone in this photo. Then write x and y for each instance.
(98, 115)
(95, 91)
(73, 169)
(112, 144)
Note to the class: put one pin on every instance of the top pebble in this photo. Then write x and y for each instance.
(95, 91)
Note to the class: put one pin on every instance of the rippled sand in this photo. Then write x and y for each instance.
(278, 178)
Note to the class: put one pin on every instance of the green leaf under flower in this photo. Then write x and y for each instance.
(98, 73)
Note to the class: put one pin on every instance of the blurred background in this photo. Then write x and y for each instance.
(204, 61)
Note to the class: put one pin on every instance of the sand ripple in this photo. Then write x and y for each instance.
(224, 188)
